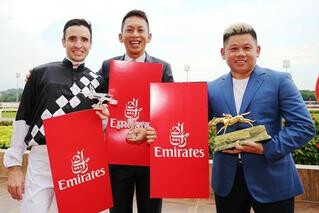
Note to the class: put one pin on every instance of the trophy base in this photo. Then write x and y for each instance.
(227, 141)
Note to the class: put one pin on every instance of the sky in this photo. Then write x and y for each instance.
(185, 32)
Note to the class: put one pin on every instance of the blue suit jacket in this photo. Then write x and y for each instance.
(269, 97)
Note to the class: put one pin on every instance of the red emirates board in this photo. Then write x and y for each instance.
(179, 156)
(129, 84)
(78, 160)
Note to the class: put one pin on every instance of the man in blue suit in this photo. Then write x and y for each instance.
(258, 175)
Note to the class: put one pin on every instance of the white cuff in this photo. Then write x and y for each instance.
(13, 157)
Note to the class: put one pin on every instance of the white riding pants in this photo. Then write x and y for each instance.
(39, 192)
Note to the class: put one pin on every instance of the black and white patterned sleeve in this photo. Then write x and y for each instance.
(13, 155)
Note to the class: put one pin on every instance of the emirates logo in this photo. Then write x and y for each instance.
(177, 135)
(178, 138)
(81, 172)
(132, 114)
(79, 163)
(131, 109)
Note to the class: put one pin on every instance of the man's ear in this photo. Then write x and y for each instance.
(90, 45)
(63, 42)
(222, 52)
(121, 38)
(258, 50)
(149, 38)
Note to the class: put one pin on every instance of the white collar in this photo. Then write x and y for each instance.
(76, 64)
(139, 59)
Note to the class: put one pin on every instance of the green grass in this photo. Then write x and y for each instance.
(9, 114)
(5, 136)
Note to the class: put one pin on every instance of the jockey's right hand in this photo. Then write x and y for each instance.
(28, 76)
(15, 182)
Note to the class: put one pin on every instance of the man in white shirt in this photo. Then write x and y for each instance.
(135, 35)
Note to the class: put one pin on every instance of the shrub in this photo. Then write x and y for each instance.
(308, 154)
(5, 136)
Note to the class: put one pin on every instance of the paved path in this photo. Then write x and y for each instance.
(7, 205)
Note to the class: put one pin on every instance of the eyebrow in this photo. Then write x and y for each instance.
(140, 26)
(75, 36)
(241, 44)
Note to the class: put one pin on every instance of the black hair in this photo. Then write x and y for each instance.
(77, 22)
(137, 13)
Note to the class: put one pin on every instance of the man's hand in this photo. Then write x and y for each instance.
(104, 113)
(15, 182)
(231, 151)
(139, 134)
(150, 135)
(250, 147)
(28, 76)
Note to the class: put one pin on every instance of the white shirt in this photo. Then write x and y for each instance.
(239, 87)
(139, 59)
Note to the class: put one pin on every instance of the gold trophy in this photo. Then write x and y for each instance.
(227, 141)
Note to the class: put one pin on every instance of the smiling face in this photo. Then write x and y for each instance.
(135, 35)
(241, 53)
(77, 42)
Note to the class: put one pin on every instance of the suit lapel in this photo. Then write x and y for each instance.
(228, 94)
(148, 58)
(254, 83)
(121, 58)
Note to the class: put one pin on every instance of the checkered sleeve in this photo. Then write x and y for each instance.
(21, 125)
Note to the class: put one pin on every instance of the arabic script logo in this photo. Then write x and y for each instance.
(79, 163)
(132, 111)
(178, 137)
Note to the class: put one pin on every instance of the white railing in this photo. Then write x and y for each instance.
(8, 107)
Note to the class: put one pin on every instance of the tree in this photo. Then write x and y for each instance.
(10, 95)
(308, 95)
